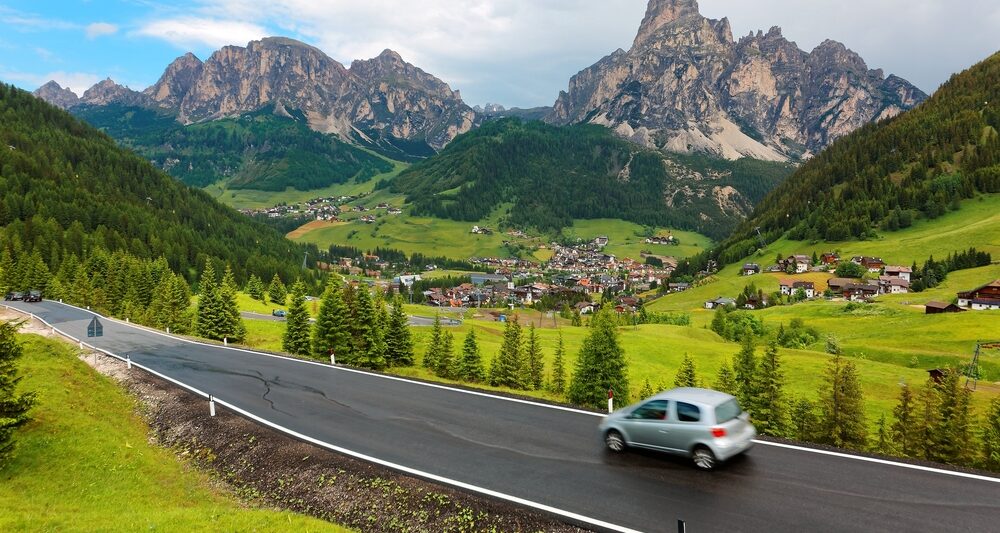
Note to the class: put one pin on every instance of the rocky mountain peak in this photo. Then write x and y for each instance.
(107, 92)
(687, 86)
(660, 13)
(176, 81)
(56, 95)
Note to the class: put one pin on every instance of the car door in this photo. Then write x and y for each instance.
(684, 428)
(644, 423)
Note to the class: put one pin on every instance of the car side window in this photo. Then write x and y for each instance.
(654, 410)
(687, 412)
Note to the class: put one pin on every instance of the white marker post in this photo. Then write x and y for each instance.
(611, 400)
(211, 405)
(128, 361)
(168, 330)
(225, 341)
(333, 357)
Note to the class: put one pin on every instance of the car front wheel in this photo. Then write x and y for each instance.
(703, 458)
(615, 441)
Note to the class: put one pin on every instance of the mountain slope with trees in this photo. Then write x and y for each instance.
(552, 175)
(884, 176)
(269, 149)
(69, 191)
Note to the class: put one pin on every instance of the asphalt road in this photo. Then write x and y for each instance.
(555, 457)
(419, 321)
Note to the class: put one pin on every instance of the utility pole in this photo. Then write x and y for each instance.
(973, 370)
(304, 259)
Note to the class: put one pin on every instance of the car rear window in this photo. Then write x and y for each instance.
(727, 411)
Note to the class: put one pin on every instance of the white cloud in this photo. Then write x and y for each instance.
(190, 32)
(522, 52)
(98, 29)
(78, 82)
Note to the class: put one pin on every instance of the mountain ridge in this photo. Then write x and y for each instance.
(686, 85)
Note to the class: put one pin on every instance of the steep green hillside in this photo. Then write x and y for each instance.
(887, 175)
(260, 150)
(553, 175)
(68, 189)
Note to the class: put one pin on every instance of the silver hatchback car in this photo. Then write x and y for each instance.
(705, 425)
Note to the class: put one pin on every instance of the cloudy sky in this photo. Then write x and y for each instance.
(514, 52)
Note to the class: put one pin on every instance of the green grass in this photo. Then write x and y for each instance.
(452, 239)
(256, 199)
(85, 463)
(626, 238)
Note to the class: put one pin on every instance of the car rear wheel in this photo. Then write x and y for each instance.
(703, 458)
(615, 441)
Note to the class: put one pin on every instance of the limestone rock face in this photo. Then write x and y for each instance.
(56, 95)
(373, 99)
(176, 81)
(108, 92)
(686, 86)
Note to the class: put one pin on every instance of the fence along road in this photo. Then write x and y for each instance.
(549, 458)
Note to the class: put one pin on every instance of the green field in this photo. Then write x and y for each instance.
(625, 239)
(256, 199)
(452, 239)
(85, 463)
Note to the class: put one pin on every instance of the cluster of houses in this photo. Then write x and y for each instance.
(322, 208)
(983, 298)
(481, 230)
(892, 280)
(668, 239)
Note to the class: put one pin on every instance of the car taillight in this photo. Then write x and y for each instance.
(718, 432)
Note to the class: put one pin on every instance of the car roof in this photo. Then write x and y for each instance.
(696, 395)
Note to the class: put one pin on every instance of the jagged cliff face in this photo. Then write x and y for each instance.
(686, 85)
(56, 95)
(384, 97)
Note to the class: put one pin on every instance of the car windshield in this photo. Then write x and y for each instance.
(727, 411)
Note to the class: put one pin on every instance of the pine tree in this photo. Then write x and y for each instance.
(842, 413)
(991, 437)
(433, 353)
(905, 428)
(725, 380)
(929, 421)
(559, 367)
(506, 371)
(471, 363)
(770, 409)
(533, 365)
(366, 350)
(276, 291)
(297, 338)
(331, 333)
(255, 288)
(376, 354)
(687, 374)
(805, 424)
(953, 440)
(231, 323)
(647, 389)
(446, 357)
(883, 437)
(745, 369)
(14, 406)
(209, 321)
(399, 344)
(600, 366)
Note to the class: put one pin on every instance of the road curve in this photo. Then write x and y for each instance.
(550, 456)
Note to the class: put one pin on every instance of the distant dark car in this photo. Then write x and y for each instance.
(33, 296)
(278, 313)
(13, 296)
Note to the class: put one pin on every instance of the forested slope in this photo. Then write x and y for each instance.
(553, 175)
(884, 176)
(69, 190)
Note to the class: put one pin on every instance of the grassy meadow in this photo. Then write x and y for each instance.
(85, 463)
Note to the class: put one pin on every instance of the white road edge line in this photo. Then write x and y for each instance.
(517, 400)
(405, 469)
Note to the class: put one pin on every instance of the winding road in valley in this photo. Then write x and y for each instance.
(551, 456)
